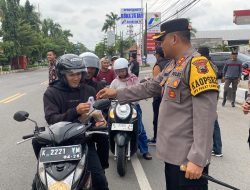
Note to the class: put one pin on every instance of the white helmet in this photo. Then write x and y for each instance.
(121, 63)
(90, 59)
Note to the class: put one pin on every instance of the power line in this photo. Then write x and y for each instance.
(181, 10)
(190, 7)
(178, 6)
(154, 3)
(163, 4)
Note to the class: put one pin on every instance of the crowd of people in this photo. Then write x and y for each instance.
(184, 88)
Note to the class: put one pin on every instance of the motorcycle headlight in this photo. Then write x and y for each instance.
(62, 185)
(134, 115)
(123, 111)
(111, 114)
(41, 172)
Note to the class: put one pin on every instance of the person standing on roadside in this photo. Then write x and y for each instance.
(157, 69)
(231, 74)
(51, 56)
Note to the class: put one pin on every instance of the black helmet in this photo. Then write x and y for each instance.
(69, 63)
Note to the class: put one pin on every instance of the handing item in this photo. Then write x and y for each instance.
(205, 176)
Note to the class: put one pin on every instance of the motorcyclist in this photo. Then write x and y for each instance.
(91, 62)
(126, 79)
(66, 100)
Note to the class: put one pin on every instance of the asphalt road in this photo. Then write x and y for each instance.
(24, 91)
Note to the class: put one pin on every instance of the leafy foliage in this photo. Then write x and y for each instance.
(24, 33)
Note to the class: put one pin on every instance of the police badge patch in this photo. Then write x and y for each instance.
(201, 65)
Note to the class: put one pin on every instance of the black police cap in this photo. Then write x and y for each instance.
(234, 50)
(176, 25)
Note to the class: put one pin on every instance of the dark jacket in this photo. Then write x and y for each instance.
(96, 85)
(134, 67)
(162, 63)
(60, 101)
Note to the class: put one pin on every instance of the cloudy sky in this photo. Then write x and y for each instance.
(86, 17)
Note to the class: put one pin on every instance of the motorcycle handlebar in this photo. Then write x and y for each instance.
(28, 136)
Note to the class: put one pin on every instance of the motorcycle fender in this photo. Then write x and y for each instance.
(121, 139)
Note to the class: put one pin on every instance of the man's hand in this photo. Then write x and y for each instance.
(246, 107)
(106, 93)
(83, 108)
(193, 171)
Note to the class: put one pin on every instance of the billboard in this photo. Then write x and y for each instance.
(154, 22)
(150, 42)
(131, 16)
(242, 17)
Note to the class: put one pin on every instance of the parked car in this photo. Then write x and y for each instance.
(220, 58)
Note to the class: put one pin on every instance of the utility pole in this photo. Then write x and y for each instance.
(142, 33)
(121, 50)
(145, 34)
(130, 30)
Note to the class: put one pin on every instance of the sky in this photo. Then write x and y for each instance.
(85, 18)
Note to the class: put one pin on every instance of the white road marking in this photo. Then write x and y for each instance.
(140, 174)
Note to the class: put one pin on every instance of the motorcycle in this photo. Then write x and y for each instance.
(62, 162)
(245, 71)
(123, 133)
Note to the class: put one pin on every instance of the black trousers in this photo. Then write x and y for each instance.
(235, 83)
(102, 146)
(175, 179)
(99, 180)
(156, 105)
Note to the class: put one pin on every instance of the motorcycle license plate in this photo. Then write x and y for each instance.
(122, 127)
(60, 154)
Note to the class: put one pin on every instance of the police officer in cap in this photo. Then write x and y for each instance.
(189, 89)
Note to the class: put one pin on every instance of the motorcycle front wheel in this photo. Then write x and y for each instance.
(121, 160)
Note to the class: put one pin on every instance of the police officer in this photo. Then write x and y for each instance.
(157, 69)
(189, 90)
(91, 62)
(65, 100)
(231, 74)
(217, 143)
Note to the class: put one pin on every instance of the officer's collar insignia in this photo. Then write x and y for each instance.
(181, 61)
(169, 68)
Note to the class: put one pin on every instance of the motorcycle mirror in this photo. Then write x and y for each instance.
(21, 116)
(102, 104)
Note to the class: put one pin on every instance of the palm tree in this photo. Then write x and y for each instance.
(110, 22)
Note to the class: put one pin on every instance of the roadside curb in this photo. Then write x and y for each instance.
(22, 70)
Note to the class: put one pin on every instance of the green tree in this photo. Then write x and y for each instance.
(100, 49)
